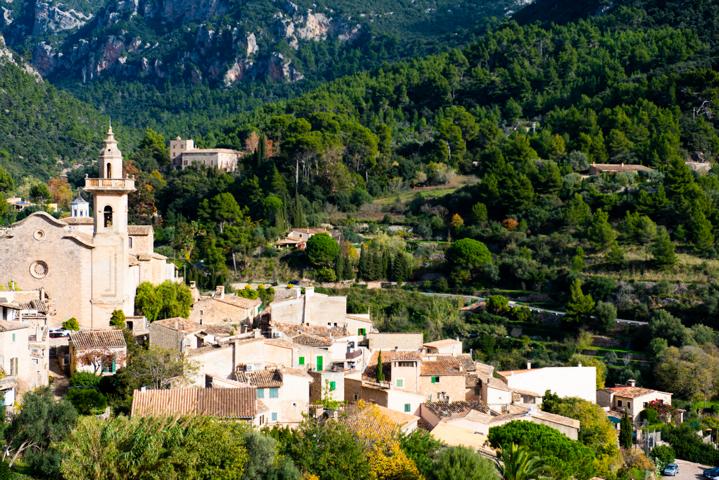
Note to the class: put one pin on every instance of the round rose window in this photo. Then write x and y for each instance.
(38, 269)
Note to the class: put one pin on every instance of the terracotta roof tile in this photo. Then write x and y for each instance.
(179, 324)
(261, 378)
(97, 339)
(631, 392)
(291, 330)
(239, 302)
(213, 402)
(454, 409)
(312, 340)
(6, 326)
(443, 366)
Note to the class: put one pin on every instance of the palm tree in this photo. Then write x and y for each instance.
(518, 463)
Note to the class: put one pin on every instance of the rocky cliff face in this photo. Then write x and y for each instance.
(215, 41)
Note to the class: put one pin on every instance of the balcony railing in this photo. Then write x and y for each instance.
(110, 183)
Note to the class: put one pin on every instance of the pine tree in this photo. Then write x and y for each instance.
(663, 249)
(579, 306)
(700, 230)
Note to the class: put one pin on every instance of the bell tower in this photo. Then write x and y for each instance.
(111, 282)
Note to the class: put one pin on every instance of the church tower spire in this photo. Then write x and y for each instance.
(110, 253)
(110, 189)
(110, 157)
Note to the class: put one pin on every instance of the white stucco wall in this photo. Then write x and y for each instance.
(564, 381)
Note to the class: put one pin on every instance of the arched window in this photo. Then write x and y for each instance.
(108, 170)
(108, 216)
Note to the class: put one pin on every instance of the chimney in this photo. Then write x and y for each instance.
(529, 365)
(234, 355)
(177, 324)
(631, 382)
(220, 291)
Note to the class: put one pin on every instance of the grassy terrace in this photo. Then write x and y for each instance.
(689, 268)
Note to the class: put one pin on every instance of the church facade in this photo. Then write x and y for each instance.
(89, 265)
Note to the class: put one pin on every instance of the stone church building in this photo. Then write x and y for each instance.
(89, 265)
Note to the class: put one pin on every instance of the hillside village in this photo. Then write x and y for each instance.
(381, 240)
(301, 355)
(270, 356)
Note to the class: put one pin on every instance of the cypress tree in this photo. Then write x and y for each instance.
(626, 429)
(362, 268)
(380, 369)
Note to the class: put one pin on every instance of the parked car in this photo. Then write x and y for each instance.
(58, 332)
(671, 470)
(711, 473)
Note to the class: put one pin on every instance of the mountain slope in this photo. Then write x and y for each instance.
(224, 41)
(42, 129)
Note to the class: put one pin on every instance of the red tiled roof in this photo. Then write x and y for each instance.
(179, 324)
(261, 378)
(213, 402)
(312, 340)
(97, 339)
(443, 366)
(631, 392)
(239, 302)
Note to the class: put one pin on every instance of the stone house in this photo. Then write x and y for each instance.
(284, 391)
(447, 346)
(357, 387)
(22, 367)
(298, 237)
(98, 351)
(317, 309)
(453, 422)
(221, 308)
(531, 383)
(183, 154)
(327, 384)
(630, 399)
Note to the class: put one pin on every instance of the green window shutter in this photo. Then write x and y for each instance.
(260, 393)
(333, 386)
(114, 365)
(400, 382)
(320, 364)
(435, 379)
(407, 407)
(302, 361)
(274, 392)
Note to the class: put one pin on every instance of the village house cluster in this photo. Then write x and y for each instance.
(303, 354)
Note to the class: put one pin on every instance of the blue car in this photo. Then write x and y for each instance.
(670, 470)
(712, 473)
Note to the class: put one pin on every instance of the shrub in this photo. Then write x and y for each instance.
(71, 324)
(689, 446)
(663, 454)
(87, 401)
(85, 379)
